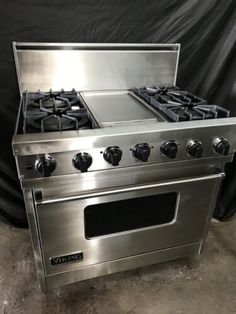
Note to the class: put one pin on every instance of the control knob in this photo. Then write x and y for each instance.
(142, 151)
(194, 148)
(45, 165)
(169, 149)
(113, 155)
(221, 146)
(82, 161)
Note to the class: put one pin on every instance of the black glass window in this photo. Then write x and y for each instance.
(123, 215)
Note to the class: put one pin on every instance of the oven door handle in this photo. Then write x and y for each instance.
(39, 200)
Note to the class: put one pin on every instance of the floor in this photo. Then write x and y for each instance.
(200, 285)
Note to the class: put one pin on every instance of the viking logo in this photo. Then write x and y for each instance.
(67, 258)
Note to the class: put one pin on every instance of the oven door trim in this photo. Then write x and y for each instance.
(39, 200)
(146, 228)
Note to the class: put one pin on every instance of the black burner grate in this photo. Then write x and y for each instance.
(54, 111)
(178, 105)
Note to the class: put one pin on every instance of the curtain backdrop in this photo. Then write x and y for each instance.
(205, 29)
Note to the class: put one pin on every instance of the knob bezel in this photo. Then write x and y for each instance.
(216, 142)
(137, 151)
(190, 144)
(78, 159)
(163, 146)
(45, 158)
(108, 155)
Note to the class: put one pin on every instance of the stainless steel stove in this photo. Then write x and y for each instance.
(118, 166)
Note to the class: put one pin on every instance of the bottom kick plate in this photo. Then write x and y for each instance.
(131, 262)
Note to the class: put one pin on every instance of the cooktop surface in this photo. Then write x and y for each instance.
(72, 110)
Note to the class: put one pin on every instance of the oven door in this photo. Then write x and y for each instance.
(87, 229)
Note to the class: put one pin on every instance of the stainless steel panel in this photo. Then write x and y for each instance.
(119, 190)
(214, 198)
(35, 237)
(115, 107)
(94, 142)
(94, 67)
(65, 166)
(205, 131)
(70, 184)
(131, 262)
(67, 234)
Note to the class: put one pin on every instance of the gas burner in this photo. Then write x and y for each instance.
(54, 111)
(178, 105)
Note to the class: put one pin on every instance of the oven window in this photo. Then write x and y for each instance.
(123, 215)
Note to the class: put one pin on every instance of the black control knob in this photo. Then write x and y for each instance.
(113, 155)
(221, 146)
(142, 151)
(169, 149)
(194, 149)
(45, 165)
(82, 161)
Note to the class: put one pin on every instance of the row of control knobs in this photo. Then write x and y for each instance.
(113, 155)
(194, 148)
(82, 161)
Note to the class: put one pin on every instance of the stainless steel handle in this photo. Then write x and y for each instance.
(40, 201)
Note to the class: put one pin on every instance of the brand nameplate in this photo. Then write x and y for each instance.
(66, 258)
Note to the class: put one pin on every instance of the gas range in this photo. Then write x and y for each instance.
(110, 154)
